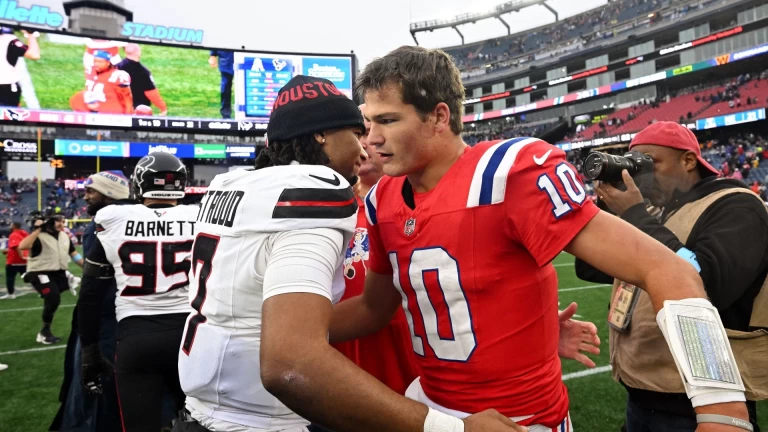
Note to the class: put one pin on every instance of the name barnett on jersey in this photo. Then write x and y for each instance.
(159, 228)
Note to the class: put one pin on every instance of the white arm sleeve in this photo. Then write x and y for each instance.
(303, 261)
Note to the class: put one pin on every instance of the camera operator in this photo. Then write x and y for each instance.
(721, 228)
(51, 250)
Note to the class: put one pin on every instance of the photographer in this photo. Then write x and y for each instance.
(47, 264)
(721, 228)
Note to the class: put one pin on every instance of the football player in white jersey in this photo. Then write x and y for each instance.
(267, 263)
(146, 247)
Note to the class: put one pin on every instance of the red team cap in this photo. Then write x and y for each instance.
(672, 135)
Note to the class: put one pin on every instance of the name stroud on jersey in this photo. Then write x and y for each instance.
(158, 228)
(219, 207)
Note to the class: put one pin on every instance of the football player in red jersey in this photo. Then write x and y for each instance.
(387, 354)
(108, 89)
(463, 237)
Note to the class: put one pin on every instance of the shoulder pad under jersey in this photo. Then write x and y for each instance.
(277, 199)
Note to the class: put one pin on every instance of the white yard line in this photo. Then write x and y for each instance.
(32, 308)
(562, 264)
(566, 377)
(587, 372)
(47, 348)
(585, 287)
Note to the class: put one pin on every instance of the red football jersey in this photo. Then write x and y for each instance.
(472, 262)
(15, 256)
(110, 92)
(386, 354)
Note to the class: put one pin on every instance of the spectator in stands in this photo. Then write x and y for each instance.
(15, 260)
(705, 220)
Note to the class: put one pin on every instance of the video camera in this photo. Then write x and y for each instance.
(607, 168)
(49, 220)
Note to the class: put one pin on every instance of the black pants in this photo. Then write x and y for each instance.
(49, 285)
(146, 365)
(641, 419)
(10, 276)
(226, 95)
(10, 95)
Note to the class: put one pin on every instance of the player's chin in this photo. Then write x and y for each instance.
(355, 171)
(394, 169)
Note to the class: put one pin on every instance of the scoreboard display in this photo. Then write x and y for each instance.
(185, 91)
(259, 77)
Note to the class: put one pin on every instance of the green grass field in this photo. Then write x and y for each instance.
(29, 388)
(189, 86)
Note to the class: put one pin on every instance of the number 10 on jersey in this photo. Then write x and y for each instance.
(462, 343)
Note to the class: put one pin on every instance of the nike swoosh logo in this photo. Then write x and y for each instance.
(542, 159)
(335, 181)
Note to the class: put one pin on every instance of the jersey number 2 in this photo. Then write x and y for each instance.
(462, 342)
(204, 250)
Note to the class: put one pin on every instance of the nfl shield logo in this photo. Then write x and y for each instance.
(410, 226)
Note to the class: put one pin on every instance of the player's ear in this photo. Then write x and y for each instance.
(442, 117)
(320, 137)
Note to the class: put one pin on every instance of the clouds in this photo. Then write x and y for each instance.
(369, 28)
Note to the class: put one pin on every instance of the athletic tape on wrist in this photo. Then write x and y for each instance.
(441, 422)
(726, 420)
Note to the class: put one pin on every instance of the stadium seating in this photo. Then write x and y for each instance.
(503, 130)
(19, 197)
(757, 90)
(586, 27)
(687, 106)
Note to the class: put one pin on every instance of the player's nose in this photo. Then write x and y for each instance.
(375, 138)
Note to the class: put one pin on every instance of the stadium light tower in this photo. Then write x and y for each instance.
(471, 18)
(103, 18)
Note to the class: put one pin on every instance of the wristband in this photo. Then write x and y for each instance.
(726, 420)
(441, 422)
(77, 257)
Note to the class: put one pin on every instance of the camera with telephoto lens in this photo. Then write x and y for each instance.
(607, 168)
(49, 221)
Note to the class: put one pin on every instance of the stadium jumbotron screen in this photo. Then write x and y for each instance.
(89, 82)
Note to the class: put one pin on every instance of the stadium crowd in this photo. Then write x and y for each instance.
(577, 31)
(502, 129)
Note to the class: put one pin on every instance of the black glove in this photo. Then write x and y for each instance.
(94, 365)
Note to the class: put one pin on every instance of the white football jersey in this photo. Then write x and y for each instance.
(251, 221)
(149, 249)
